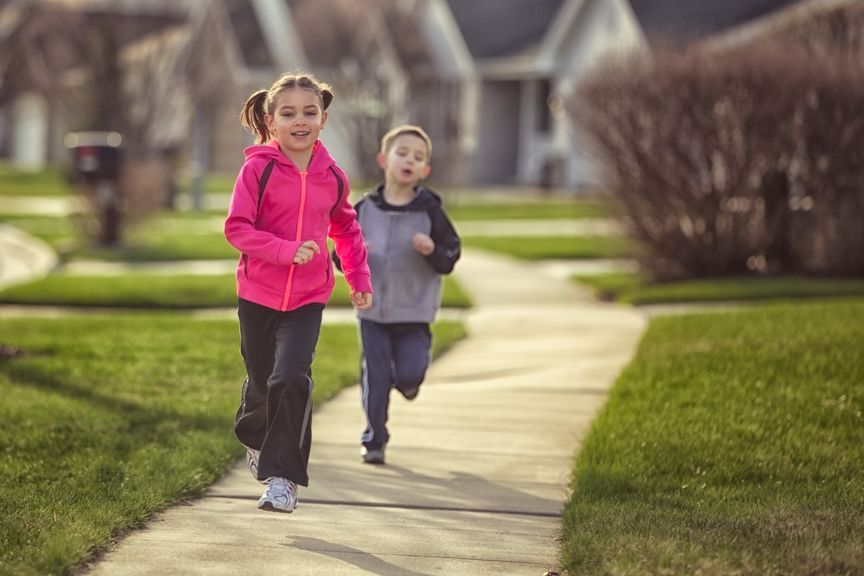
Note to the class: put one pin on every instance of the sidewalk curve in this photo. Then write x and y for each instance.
(478, 466)
(23, 257)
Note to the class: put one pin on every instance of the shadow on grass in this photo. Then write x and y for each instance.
(138, 416)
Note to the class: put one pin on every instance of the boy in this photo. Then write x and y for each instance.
(411, 244)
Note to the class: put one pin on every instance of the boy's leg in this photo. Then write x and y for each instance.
(285, 450)
(376, 375)
(412, 344)
(257, 346)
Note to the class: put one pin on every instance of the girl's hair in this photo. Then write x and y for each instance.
(263, 101)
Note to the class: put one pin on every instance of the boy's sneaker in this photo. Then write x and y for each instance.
(280, 496)
(252, 456)
(373, 455)
(410, 394)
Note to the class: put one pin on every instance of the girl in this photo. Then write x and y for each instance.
(289, 196)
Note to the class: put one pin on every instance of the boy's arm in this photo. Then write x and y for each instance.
(448, 247)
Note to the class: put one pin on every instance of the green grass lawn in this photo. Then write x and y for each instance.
(732, 444)
(213, 183)
(630, 288)
(14, 182)
(52, 182)
(107, 419)
(147, 290)
(59, 233)
(554, 247)
(541, 208)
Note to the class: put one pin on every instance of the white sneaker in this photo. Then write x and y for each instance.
(280, 496)
(252, 456)
(372, 455)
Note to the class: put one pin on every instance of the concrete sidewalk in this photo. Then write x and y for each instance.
(22, 256)
(478, 466)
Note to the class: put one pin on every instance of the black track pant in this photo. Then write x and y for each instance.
(275, 414)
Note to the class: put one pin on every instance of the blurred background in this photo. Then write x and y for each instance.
(711, 123)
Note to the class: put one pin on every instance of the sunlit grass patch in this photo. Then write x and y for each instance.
(733, 443)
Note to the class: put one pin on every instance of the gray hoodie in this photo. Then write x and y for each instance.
(406, 285)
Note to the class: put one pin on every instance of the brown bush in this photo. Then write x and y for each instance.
(736, 163)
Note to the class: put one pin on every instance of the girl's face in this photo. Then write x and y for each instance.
(407, 161)
(297, 119)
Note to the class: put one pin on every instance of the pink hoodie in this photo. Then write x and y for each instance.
(296, 207)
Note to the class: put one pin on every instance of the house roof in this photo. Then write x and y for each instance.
(501, 28)
(250, 37)
(679, 22)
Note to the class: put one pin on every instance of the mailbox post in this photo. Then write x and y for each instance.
(97, 159)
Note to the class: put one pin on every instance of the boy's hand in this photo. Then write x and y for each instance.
(423, 244)
(306, 251)
(361, 300)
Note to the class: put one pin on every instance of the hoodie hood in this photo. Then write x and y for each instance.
(320, 162)
(424, 200)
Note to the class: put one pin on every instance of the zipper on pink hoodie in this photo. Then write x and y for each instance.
(297, 238)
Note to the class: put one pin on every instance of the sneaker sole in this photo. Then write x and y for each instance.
(268, 507)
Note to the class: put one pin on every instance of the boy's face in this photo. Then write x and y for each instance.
(297, 119)
(407, 160)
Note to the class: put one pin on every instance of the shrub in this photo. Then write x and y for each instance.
(734, 163)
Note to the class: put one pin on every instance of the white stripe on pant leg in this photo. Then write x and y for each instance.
(369, 433)
(308, 413)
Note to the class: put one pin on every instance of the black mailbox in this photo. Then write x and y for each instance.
(96, 155)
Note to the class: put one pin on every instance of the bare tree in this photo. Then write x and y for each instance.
(110, 72)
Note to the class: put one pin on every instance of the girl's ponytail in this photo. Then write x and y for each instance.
(252, 116)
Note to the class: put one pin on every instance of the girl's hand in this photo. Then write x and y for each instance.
(361, 300)
(306, 252)
(423, 244)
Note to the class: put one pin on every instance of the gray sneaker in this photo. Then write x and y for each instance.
(252, 456)
(373, 455)
(280, 496)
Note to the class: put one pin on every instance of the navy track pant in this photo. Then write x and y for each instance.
(393, 356)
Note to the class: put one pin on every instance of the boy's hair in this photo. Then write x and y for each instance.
(389, 137)
(262, 102)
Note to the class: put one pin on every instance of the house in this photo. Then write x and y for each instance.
(671, 23)
(235, 48)
(486, 78)
(392, 62)
(42, 54)
(526, 57)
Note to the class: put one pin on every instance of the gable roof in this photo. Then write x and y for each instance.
(501, 28)
(247, 29)
(679, 22)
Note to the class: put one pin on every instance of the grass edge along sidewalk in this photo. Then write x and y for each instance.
(732, 444)
(107, 419)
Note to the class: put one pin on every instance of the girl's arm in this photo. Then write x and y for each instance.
(349, 244)
(240, 230)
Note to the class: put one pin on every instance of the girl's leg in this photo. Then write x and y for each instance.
(412, 344)
(288, 438)
(376, 376)
(257, 346)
